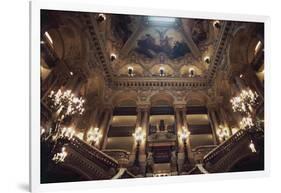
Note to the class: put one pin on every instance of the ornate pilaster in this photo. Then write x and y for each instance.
(184, 150)
(139, 148)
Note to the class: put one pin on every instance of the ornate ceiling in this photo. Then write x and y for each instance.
(187, 50)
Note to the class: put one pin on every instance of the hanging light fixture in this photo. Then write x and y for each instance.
(245, 101)
(60, 157)
(65, 103)
(94, 136)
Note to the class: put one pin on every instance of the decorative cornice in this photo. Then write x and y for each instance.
(173, 83)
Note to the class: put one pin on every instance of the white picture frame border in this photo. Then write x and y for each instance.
(86, 6)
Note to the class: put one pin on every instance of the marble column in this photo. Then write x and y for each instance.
(142, 121)
(178, 120)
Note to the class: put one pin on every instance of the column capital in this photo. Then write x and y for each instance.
(143, 106)
(179, 105)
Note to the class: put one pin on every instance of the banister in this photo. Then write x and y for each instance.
(225, 146)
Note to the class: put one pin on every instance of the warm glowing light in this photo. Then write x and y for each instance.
(93, 136)
(138, 135)
(246, 122)
(130, 71)
(67, 132)
(207, 59)
(252, 147)
(60, 157)
(234, 130)
(191, 72)
(71, 73)
(184, 134)
(66, 103)
(48, 37)
(245, 101)
(258, 47)
(216, 24)
(101, 17)
(113, 57)
(42, 131)
(162, 71)
(223, 133)
(80, 135)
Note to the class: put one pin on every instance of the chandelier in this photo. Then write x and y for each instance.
(244, 102)
(67, 132)
(65, 103)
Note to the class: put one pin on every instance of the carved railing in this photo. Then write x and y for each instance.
(90, 162)
(226, 155)
(165, 82)
(223, 157)
(120, 155)
(161, 136)
(225, 147)
(200, 151)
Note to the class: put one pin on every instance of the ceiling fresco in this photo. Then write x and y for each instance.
(148, 41)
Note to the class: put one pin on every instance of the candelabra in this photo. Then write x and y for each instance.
(223, 133)
(139, 137)
(246, 122)
(60, 157)
(64, 104)
(184, 135)
(67, 132)
(93, 136)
